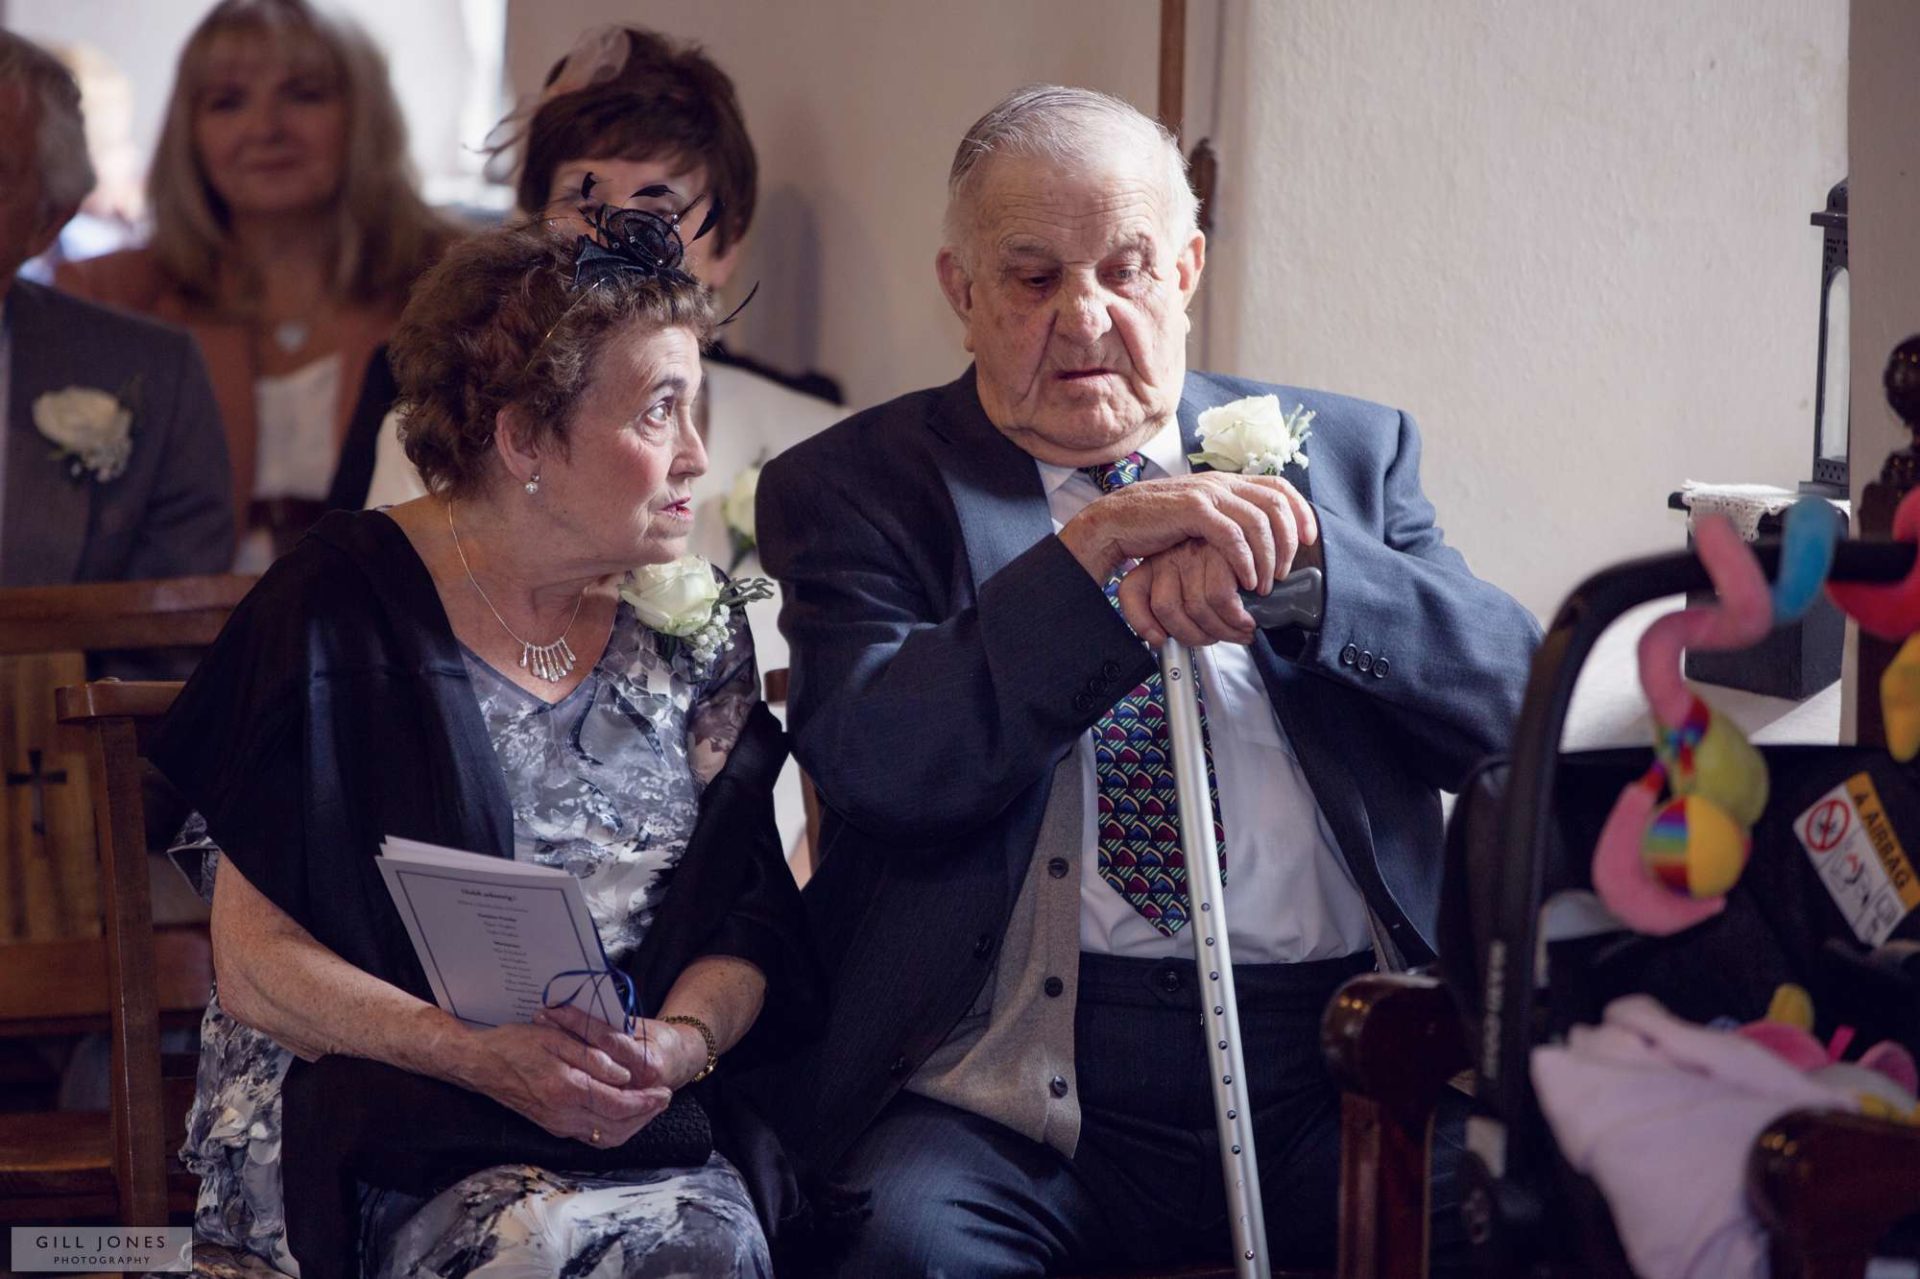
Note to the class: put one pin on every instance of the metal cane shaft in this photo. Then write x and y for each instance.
(1207, 921)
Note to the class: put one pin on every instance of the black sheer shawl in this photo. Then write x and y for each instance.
(335, 709)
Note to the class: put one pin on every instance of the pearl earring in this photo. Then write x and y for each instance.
(533, 485)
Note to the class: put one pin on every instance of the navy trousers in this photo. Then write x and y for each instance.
(955, 1194)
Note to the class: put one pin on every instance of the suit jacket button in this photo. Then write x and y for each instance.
(1109, 670)
(1053, 986)
(1058, 1086)
(1170, 980)
(983, 945)
(1364, 663)
(1380, 668)
(1057, 867)
(901, 1066)
(1083, 701)
(1349, 655)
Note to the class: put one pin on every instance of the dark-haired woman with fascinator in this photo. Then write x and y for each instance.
(637, 108)
(494, 667)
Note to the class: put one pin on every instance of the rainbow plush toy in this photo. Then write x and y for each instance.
(1662, 865)
(1891, 613)
(1900, 701)
(1882, 1081)
(1692, 847)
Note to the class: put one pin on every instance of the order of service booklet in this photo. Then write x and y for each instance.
(493, 932)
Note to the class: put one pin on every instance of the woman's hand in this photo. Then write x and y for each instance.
(569, 1088)
(662, 1054)
(276, 978)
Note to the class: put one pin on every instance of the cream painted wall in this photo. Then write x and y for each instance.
(429, 45)
(855, 108)
(143, 40)
(1572, 239)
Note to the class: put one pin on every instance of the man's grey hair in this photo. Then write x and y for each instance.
(66, 172)
(1072, 127)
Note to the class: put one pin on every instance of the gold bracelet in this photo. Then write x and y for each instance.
(706, 1033)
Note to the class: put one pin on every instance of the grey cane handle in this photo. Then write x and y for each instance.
(1297, 600)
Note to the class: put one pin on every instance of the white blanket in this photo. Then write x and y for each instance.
(1662, 1113)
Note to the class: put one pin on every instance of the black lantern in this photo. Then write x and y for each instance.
(1830, 407)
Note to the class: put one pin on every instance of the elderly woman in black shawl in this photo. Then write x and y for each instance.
(413, 672)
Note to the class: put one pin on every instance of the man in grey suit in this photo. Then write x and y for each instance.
(113, 465)
(1014, 1065)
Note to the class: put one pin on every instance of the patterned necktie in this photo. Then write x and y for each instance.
(1138, 805)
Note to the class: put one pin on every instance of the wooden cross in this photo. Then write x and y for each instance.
(39, 780)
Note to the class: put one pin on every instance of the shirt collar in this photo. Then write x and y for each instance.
(1165, 454)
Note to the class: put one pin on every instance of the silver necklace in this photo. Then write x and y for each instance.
(551, 662)
(291, 335)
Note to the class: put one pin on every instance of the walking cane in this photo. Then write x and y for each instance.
(1294, 602)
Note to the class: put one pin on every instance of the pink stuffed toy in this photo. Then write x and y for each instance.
(1662, 868)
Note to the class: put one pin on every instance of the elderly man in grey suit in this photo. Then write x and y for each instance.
(113, 465)
(1014, 1065)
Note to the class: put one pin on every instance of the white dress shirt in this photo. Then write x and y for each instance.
(1288, 894)
(298, 445)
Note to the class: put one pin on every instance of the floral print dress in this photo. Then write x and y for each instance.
(605, 783)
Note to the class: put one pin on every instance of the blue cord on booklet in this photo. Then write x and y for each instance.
(590, 978)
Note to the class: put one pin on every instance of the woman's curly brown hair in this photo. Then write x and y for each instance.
(498, 323)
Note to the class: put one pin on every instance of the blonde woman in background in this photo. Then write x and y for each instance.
(287, 231)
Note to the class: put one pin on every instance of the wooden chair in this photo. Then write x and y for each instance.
(115, 1165)
(1829, 1187)
(169, 612)
(1393, 1042)
(47, 875)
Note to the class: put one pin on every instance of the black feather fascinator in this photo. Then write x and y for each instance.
(625, 243)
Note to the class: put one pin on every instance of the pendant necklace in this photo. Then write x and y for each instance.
(551, 662)
(291, 335)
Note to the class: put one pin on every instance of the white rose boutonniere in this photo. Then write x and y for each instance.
(1253, 437)
(683, 603)
(93, 429)
(738, 509)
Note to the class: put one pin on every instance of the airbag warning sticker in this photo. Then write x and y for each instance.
(1853, 846)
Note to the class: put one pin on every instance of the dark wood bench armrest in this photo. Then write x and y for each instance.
(1828, 1185)
(1392, 1041)
(1395, 1039)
